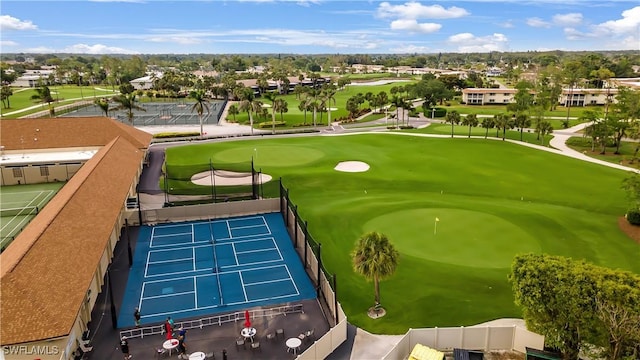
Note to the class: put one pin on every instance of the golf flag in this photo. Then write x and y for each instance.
(437, 219)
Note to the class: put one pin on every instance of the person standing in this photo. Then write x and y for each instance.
(136, 316)
(124, 347)
(182, 348)
(224, 354)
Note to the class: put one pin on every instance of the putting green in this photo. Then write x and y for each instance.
(462, 237)
(266, 155)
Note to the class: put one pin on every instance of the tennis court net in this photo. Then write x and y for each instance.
(28, 210)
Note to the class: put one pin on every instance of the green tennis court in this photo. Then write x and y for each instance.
(19, 204)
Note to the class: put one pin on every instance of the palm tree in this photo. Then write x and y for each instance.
(282, 107)
(43, 94)
(249, 104)
(233, 111)
(103, 104)
(375, 258)
(452, 117)
(470, 120)
(502, 123)
(272, 96)
(487, 123)
(329, 94)
(544, 127)
(200, 106)
(127, 102)
(521, 121)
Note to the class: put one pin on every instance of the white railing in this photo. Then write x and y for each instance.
(141, 332)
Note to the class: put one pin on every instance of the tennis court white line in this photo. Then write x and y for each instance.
(235, 253)
(254, 251)
(169, 235)
(229, 230)
(294, 283)
(193, 251)
(269, 282)
(244, 292)
(195, 292)
(164, 226)
(168, 261)
(193, 234)
(167, 295)
(25, 220)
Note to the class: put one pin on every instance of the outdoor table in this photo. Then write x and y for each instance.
(198, 355)
(293, 344)
(170, 345)
(248, 333)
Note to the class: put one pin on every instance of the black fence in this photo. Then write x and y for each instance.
(310, 252)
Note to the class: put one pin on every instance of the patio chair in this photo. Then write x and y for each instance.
(85, 348)
(309, 334)
(271, 336)
(256, 346)
(160, 351)
(280, 332)
(240, 342)
(210, 355)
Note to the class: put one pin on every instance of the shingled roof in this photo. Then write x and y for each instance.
(47, 269)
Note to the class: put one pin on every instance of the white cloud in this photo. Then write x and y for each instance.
(410, 49)
(537, 22)
(10, 23)
(628, 24)
(8, 43)
(571, 19)
(507, 24)
(467, 42)
(574, 34)
(415, 10)
(177, 39)
(95, 49)
(413, 26)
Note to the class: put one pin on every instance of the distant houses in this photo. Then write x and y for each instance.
(577, 97)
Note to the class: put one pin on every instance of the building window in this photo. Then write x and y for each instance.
(44, 171)
(17, 172)
(492, 94)
(492, 100)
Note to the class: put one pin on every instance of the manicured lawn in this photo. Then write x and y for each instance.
(21, 98)
(494, 199)
(460, 130)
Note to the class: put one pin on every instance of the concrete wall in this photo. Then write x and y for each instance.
(37, 174)
(210, 211)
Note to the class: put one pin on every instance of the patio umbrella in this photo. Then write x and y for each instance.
(247, 321)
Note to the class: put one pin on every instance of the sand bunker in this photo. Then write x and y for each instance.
(352, 166)
(226, 178)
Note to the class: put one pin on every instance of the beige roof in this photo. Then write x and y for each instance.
(47, 270)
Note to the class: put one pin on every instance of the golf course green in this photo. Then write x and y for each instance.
(457, 210)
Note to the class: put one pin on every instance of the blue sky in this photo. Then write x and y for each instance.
(316, 26)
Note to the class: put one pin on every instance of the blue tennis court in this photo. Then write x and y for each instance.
(194, 269)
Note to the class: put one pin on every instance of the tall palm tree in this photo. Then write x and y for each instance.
(503, 121)
(329, 95)
(282, 107)
(273, 97)
(127, 102)
(470, 120)
(249, 104)
(43, 94)
(487, 123)
(375, 258)
(452, 117)
(103, 104)
(200, 106)
(522, 121)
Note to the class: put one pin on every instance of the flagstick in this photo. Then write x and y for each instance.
(435, 226)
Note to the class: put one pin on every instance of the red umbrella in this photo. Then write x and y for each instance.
(247, 321)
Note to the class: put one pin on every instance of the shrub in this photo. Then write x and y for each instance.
(175, 135)
(633, 216)
(268, 124)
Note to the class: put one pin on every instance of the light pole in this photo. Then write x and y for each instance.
(433, 111)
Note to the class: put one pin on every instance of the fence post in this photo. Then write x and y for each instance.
(335, 299)
(319, 269)
(295, 227)
(114, 318)
(126, 229)
(306, 243)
